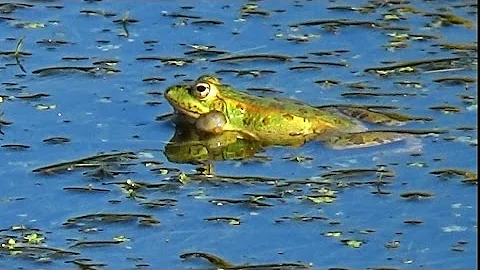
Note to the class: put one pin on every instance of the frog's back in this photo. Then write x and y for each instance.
(274, 117)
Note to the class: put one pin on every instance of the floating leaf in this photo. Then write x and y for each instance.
(29, 25)
(322, 199)
(352, 243)
(34, 238)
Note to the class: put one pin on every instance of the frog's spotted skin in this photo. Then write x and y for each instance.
(215, 107)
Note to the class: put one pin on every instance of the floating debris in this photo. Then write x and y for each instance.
(153, 79)
(459, 46)
(411, 84)
(23, 242)
(172, 61)
(153, 103)
(361, 86)
(137, 185)
(56, 140)
(213, 259)
(332, 233)
(425, 64)
(3, 122)
(106, 62)
(6, 8)
(321, 198)
(100, 173)
(17, 54)
(109, 218)
(207, 22)
(304, 67)
(416, 195)
(300, 38)
(86, 264)
(364, 9)
(205, 52)
(392, 244)
(96, 243)
(469, 177)
(158, 202)
(456, 80)
(252, 72)
(88, 188)
(33, 96)
(75, 58)
(44, 107)
(325, 63)
(377, 94)
(338, 52)
(85, 69)
(413, 221)
(353, 243)
(469, 99)
(446, 19)
(339, 22)
(124, 22)
(164, 117)
(252, 201)
(92, 161)
(302, 218)
(264, 90)
(357, 172)
(102, 13)
(298, 158)
(229, 220)
(15, 146)
(180, 15)
(250, 9)
(445, 109)
(29, 25)
(327, 83)
(53, 42)
(220, 263)
(254, 57)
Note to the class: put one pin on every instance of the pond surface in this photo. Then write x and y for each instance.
(82, 87)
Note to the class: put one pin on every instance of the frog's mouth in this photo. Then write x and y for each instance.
(187, 113)
(180, 108)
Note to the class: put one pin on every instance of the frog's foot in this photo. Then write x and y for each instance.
(375, 116)
(364, 139)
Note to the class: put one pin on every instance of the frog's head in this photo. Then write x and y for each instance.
(195, 99)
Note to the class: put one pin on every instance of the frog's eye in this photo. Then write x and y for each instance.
(201, 90)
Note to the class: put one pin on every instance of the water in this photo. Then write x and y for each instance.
(107, 111)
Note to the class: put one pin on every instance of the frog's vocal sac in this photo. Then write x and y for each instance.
(214, 107)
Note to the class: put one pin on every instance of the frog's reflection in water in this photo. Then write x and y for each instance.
(189, 145)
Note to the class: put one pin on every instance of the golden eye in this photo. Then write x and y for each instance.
(201, 90)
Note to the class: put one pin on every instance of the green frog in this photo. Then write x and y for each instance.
(214, 108)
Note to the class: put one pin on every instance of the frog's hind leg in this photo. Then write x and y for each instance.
(364, 139)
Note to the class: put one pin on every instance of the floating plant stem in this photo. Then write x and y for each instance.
(17, 54)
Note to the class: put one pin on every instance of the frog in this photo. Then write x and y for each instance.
(215, 108)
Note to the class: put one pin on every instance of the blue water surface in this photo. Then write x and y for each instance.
(106, 112)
